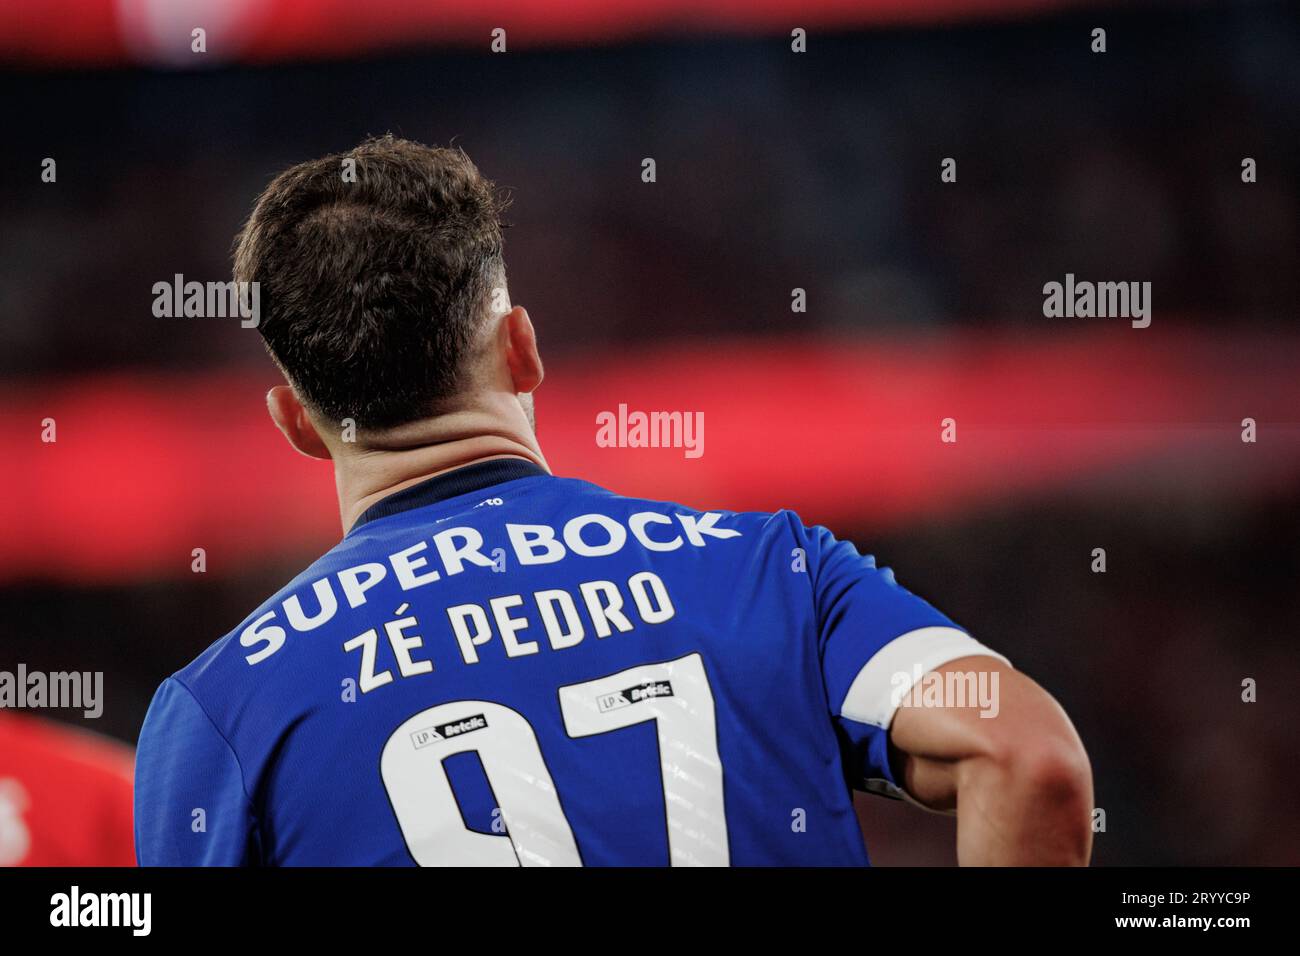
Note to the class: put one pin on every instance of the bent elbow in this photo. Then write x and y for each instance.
(1056, 782)
(1058, 770)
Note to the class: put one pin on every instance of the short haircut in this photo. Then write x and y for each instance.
(372, 287)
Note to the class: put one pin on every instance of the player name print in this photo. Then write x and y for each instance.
(452, 551)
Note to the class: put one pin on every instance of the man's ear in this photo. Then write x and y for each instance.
(522, 357)
(294, 422)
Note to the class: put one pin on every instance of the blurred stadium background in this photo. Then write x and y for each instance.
(775, 171)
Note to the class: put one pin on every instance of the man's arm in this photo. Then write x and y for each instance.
(1020, 781)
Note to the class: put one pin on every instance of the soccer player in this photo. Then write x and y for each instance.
(500, 666)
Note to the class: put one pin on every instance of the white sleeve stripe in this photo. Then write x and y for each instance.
(885, 679)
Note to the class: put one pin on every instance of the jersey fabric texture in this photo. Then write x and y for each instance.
(499, 666)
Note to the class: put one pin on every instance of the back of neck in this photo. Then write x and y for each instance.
(379, 465)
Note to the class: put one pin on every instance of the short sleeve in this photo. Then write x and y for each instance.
(190, 805)
(876, 639)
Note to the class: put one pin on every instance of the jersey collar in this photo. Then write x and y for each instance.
(450, 484)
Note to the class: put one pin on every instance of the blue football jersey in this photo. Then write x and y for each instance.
(497, 666)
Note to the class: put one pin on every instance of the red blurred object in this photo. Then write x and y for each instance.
(146, 469)
(65, 796)
(102, 32)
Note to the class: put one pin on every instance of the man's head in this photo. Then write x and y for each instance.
(377, 280)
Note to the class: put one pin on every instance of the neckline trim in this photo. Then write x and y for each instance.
(450, 484)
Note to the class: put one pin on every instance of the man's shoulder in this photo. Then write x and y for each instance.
(217, 674)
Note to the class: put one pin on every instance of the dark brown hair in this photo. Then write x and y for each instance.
(371, 290)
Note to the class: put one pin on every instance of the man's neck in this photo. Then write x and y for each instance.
(414, 453)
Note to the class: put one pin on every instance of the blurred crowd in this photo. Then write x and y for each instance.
(774, 171)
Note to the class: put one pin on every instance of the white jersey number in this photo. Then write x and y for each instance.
(674, 694)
